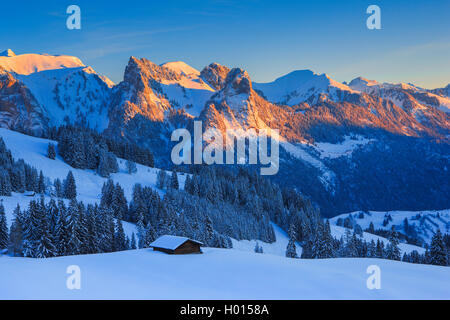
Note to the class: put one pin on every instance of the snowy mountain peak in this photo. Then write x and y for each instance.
(30, 63)
(360, 82)
(299, 86)
(7, 53)
(181, 68)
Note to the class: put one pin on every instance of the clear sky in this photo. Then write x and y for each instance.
(267, 38)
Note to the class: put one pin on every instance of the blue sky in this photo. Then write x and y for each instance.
(267, 38)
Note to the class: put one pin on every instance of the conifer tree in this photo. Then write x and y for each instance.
(92, 233)
(150, 236)
(258, 248)
(103, 168)
(119, 204)
(51, 153)
(161, 179)
(107, 194)
(16, 234)
(131, 167)
(174, 180)
(82, 229)
(188, 184)
(438, 252)
(133, 242)
(31, 230)
(5, 183)
(291, 251)
(52, 213)
(41, 183)
(327, 242)
(73, 220)
(70, 188)
(209, 231)
(392, 250)
(379, 249)
(58, 188)
(371, 250)
(62, 230)
(120, 240)
(351, 245)
(4, 237)
(45, 247)
(140, 233)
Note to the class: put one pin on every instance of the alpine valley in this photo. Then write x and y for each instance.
(347, 146)
(87, 181)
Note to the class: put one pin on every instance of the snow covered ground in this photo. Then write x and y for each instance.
(217, 274)
(345, 148)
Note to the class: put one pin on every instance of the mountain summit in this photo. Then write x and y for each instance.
(300, 86)
(30, 63)
(7, 53)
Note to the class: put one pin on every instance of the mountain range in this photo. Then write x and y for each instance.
(348, 146)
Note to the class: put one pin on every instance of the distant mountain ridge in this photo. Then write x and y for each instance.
(41, 91)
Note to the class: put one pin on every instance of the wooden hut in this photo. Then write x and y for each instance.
(176, 245)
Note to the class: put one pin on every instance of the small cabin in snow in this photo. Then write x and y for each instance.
(176, 245)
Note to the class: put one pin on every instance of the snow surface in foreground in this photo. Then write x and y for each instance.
(217, 274)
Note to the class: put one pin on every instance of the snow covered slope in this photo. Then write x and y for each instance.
(183, 68)
(339, 232)
(217, 274)
(187, 90)
(77, 94)
(34, 150)
(423, 223)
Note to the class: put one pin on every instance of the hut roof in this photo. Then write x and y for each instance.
(171, 242)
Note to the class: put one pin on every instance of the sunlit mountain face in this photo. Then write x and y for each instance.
(387, 143)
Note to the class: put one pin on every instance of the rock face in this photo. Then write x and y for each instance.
(19, 110)
(365, 144)
(215, 75)
(139, 93)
